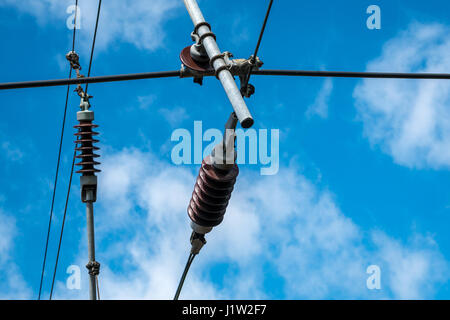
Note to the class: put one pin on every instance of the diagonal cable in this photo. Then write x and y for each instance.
(58, 161)
(93, 43)
(183, 277)
(62, 225)
(253, 59)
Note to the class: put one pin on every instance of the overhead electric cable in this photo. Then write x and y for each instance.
(255, 54)
(183, 277)
(268, 72)
(353, 74)
(62, 226)
(93, 43)
(58, 161)
(97, 79)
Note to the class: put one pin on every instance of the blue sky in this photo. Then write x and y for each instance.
(364, 165)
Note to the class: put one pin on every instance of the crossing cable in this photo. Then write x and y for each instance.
(72, 167)
(185, 74)
(59, 158)
(93, 43)
(183, 277)
(255, 54)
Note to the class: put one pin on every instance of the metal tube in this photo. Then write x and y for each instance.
(91, 243)
(225, 76)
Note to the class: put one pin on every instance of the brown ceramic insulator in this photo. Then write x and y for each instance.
(85, 144)
(211, 194)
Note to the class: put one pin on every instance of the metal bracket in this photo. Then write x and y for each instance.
(224, 154)
(197, 241)
(242, 67)
(88, 188)
(93, 267)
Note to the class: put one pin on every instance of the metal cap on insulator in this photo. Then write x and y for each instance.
(85, 115)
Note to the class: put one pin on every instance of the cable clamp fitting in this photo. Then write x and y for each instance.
(74, 60)
(199, 39)
(243, 67)
(226, 56)
(93, 267)
(197, 241)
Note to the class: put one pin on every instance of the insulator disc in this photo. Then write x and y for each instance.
(211, 194)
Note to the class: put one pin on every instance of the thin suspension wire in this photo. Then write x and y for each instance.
(63, 224)
(98, 287)
(93, 42)
(247, 78)
(59, 159)
(183, 277)
(71, 170)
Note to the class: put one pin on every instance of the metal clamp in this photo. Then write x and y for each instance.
(198, 25)
(74, 60)
(228, 64)
(199, 39)
(93, 267)
(197, 241)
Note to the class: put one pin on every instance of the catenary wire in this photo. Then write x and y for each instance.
(178, 73)
(93, 43)
(62, 225)
(59, 159)
(255, 54)
(183, 277)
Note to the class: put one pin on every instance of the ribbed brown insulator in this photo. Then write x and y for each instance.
(211, 194)
(86, 146)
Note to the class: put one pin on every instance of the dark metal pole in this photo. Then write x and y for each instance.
(91, 244)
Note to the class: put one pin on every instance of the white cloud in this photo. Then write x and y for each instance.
(13, 285)
(138, 22)
(411, 271)
(13, 153)
(280, 222)
(146, 101)
(320, 105)
(174, 116)
(410, 119)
